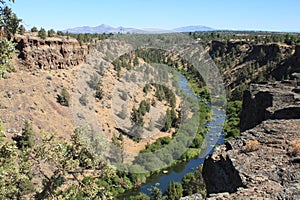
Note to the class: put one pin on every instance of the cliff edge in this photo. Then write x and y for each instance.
(264, 161)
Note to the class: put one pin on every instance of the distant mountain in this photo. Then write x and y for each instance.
(109, 29)
(193, 29)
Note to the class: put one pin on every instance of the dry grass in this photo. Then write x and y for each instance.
(295, 148)
(251, 146)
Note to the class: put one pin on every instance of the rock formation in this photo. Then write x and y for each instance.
(270, 101)
(263, 162)
(51, 53)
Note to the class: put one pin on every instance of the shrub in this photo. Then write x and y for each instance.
(51, 33)
(64, 97)
(34, 29)
(83, 100)
(22, 30)
(42, 33)
(174, 191)
(251, 146)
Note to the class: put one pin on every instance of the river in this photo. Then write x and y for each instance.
(176, 173)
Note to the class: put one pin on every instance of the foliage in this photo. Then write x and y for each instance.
(158, 144)
(174, 191)
(21, 30)
(93, 82)
(232, 123)
(51, 33)
(26, 140)
(156, 193)
(194, 183)
(64, 97)
(34, 29)
(84, 99)
(15, 170)
(140, 196)
(9, 21)
(42, 33)
(7, 49)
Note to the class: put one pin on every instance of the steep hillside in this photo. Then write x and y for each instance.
(242, 62)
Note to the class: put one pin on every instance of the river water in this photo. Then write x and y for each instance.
(176, 173)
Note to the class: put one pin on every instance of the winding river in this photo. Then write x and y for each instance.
(175, 173)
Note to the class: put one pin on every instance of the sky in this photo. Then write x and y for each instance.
(269, 15)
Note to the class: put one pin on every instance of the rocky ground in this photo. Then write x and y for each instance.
(264, 161)
(266, 169)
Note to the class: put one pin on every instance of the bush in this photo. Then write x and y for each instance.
(83, 100)
(51, 33)
(174, 191)
(42, 33)
(7, 49)
(194, 183)
(34, 29)
(22, 30)
(64, 97)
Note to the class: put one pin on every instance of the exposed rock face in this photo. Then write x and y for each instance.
(269, 171)
(271, 101)
(220, 174)
(51, 53)
(263, 162)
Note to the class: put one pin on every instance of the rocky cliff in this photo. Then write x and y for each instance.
(51, 53)
(264, 162)
(271, 101)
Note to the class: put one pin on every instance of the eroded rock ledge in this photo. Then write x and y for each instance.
(51, 53)
(279, 100)
(268, 170)
(264, 161)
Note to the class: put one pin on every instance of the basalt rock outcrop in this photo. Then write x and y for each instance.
(280, 100)
(51, 53)
(264, 161)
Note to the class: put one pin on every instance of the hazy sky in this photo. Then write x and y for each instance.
(272, 15)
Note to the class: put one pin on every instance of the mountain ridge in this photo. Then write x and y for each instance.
(104, 28)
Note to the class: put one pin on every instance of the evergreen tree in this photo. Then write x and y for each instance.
(64, 97)
(27, 137)
(42, 33)
(99, 90)
(174, 191)
(51, 33)
(34, 29)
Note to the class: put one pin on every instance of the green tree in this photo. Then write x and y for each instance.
(34, 29)
(156, 193)
(140, 196)
(27, 137)
(15, 181)
(60, 33)
(64, 97)
(99, 90)
(9, 24)
(22, 30)
(42, 33)
(137, 117)
(7, 49)
(174, 191)
(9, 21)
(83, 100)
(136, 61)
(51, 33)
(194, 183)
